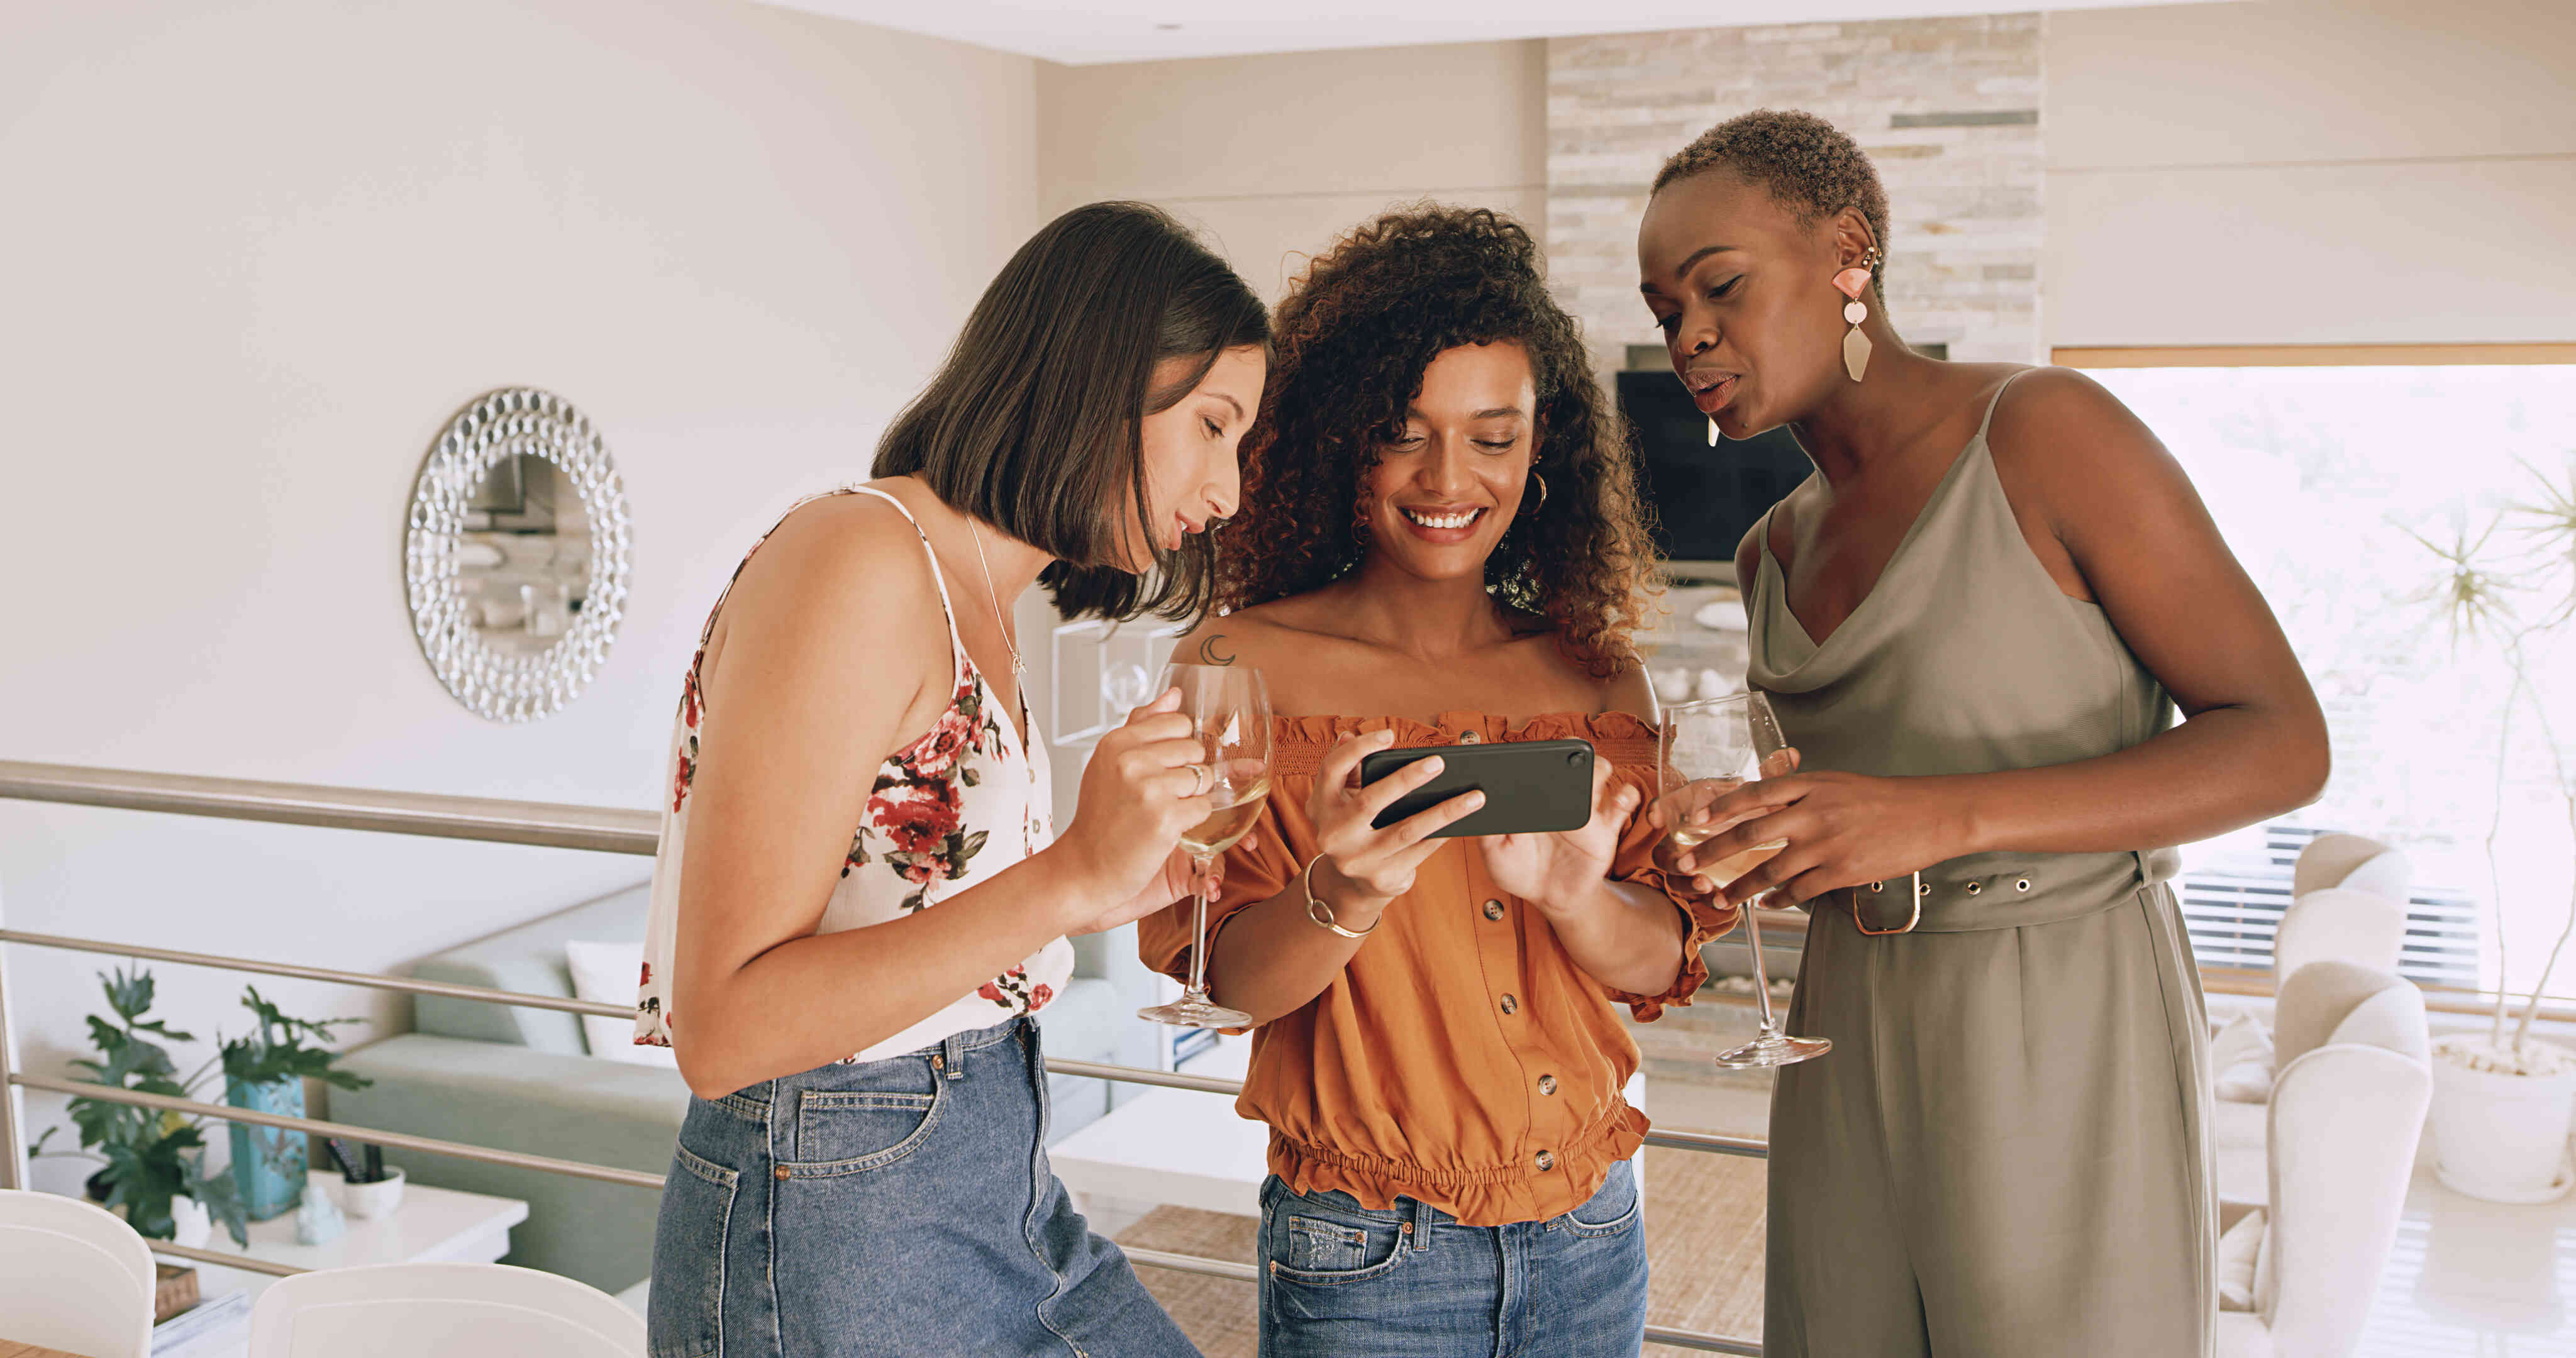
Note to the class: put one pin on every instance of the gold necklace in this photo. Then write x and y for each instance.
(975, 528)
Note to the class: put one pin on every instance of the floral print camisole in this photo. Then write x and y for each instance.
(964, 801)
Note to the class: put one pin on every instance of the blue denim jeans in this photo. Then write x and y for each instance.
(896, 1209)
(1342, 1281)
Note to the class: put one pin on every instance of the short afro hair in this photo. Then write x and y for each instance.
(1808, 165)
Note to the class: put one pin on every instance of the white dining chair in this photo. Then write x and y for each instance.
(2345, 1116)
(2354, 861)
(2339, 924)
(440, 1310)
(73, 1277)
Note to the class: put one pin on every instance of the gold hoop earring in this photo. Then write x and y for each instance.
(1542, 493)
(1851, 283)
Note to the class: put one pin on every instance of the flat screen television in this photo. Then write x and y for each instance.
(1705, 498)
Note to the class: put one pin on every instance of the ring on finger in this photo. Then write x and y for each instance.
(1204, 776)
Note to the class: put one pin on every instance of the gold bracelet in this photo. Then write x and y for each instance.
(1321, 913)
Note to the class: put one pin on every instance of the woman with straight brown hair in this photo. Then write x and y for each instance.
(861, 900)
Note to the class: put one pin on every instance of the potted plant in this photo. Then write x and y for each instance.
(265, 1071)
(153, 1170)
(2503, 1100)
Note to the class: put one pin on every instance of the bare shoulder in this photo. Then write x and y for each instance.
(1630, 691)
(2061, 418)
(844, 546)
(846, 573)
(1257, 636)
(2060, 437)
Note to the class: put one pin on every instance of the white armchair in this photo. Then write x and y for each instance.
(2348, 905)
(2346, 1111)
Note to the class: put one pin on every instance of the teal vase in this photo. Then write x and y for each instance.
(268, 1162)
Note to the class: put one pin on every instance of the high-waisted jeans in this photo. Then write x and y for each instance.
(1339, 1280)
(896, 1209)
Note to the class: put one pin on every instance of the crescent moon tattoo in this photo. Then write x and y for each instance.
(1210, 655)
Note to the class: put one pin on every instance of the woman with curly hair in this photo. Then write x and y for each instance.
(1440, 543)
(1975, 620)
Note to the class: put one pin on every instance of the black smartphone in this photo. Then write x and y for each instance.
(1530, 786)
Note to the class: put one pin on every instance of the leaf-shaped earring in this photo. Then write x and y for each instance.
(1851, 283)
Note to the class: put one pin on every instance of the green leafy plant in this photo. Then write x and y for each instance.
(272, 1053)
(276, 1051)
(2517, 606)
(150, 1156)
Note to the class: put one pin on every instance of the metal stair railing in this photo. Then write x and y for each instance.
(598, 829)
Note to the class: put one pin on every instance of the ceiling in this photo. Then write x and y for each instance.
(1084, 32)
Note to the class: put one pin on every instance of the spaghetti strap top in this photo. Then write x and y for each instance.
(1964, 657)
(967, 799)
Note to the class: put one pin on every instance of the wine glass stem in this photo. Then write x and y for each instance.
(1198, 930)
(1761, 973)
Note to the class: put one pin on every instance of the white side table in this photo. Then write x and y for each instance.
(433, 1225)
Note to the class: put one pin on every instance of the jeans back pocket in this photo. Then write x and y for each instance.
(684, 1307)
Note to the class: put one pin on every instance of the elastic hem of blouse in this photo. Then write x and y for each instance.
(1486, 1195)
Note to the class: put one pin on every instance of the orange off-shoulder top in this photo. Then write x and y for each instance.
(1461, 1058)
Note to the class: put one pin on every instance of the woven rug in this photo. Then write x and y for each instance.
(1704, 1216)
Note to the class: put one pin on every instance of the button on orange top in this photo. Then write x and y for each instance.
(1403, 1076)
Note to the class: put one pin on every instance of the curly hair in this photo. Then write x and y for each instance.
(1808, 165)
(1350, 343)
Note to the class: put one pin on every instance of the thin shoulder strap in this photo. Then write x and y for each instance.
(1761, 545)
(956, 643)
(1997, 399)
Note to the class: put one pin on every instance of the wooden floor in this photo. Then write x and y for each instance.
(1704, 1217)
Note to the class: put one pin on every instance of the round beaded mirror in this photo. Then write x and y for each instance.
(517, 553)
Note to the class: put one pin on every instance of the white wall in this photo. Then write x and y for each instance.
(1271, 158)
(2311, 171)
(256, 252)
(2289, 171)
(1274, 156)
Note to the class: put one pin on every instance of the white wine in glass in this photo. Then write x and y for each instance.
(1230, 706)
(1227, 825)
(1705, 750)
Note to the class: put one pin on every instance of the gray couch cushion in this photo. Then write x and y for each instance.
(566, 1107)
(528, 958)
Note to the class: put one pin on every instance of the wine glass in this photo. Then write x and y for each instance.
(1230, 706)
(1705, 750)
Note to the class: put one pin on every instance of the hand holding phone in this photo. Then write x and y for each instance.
(1364, 857)
(1560, 872)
